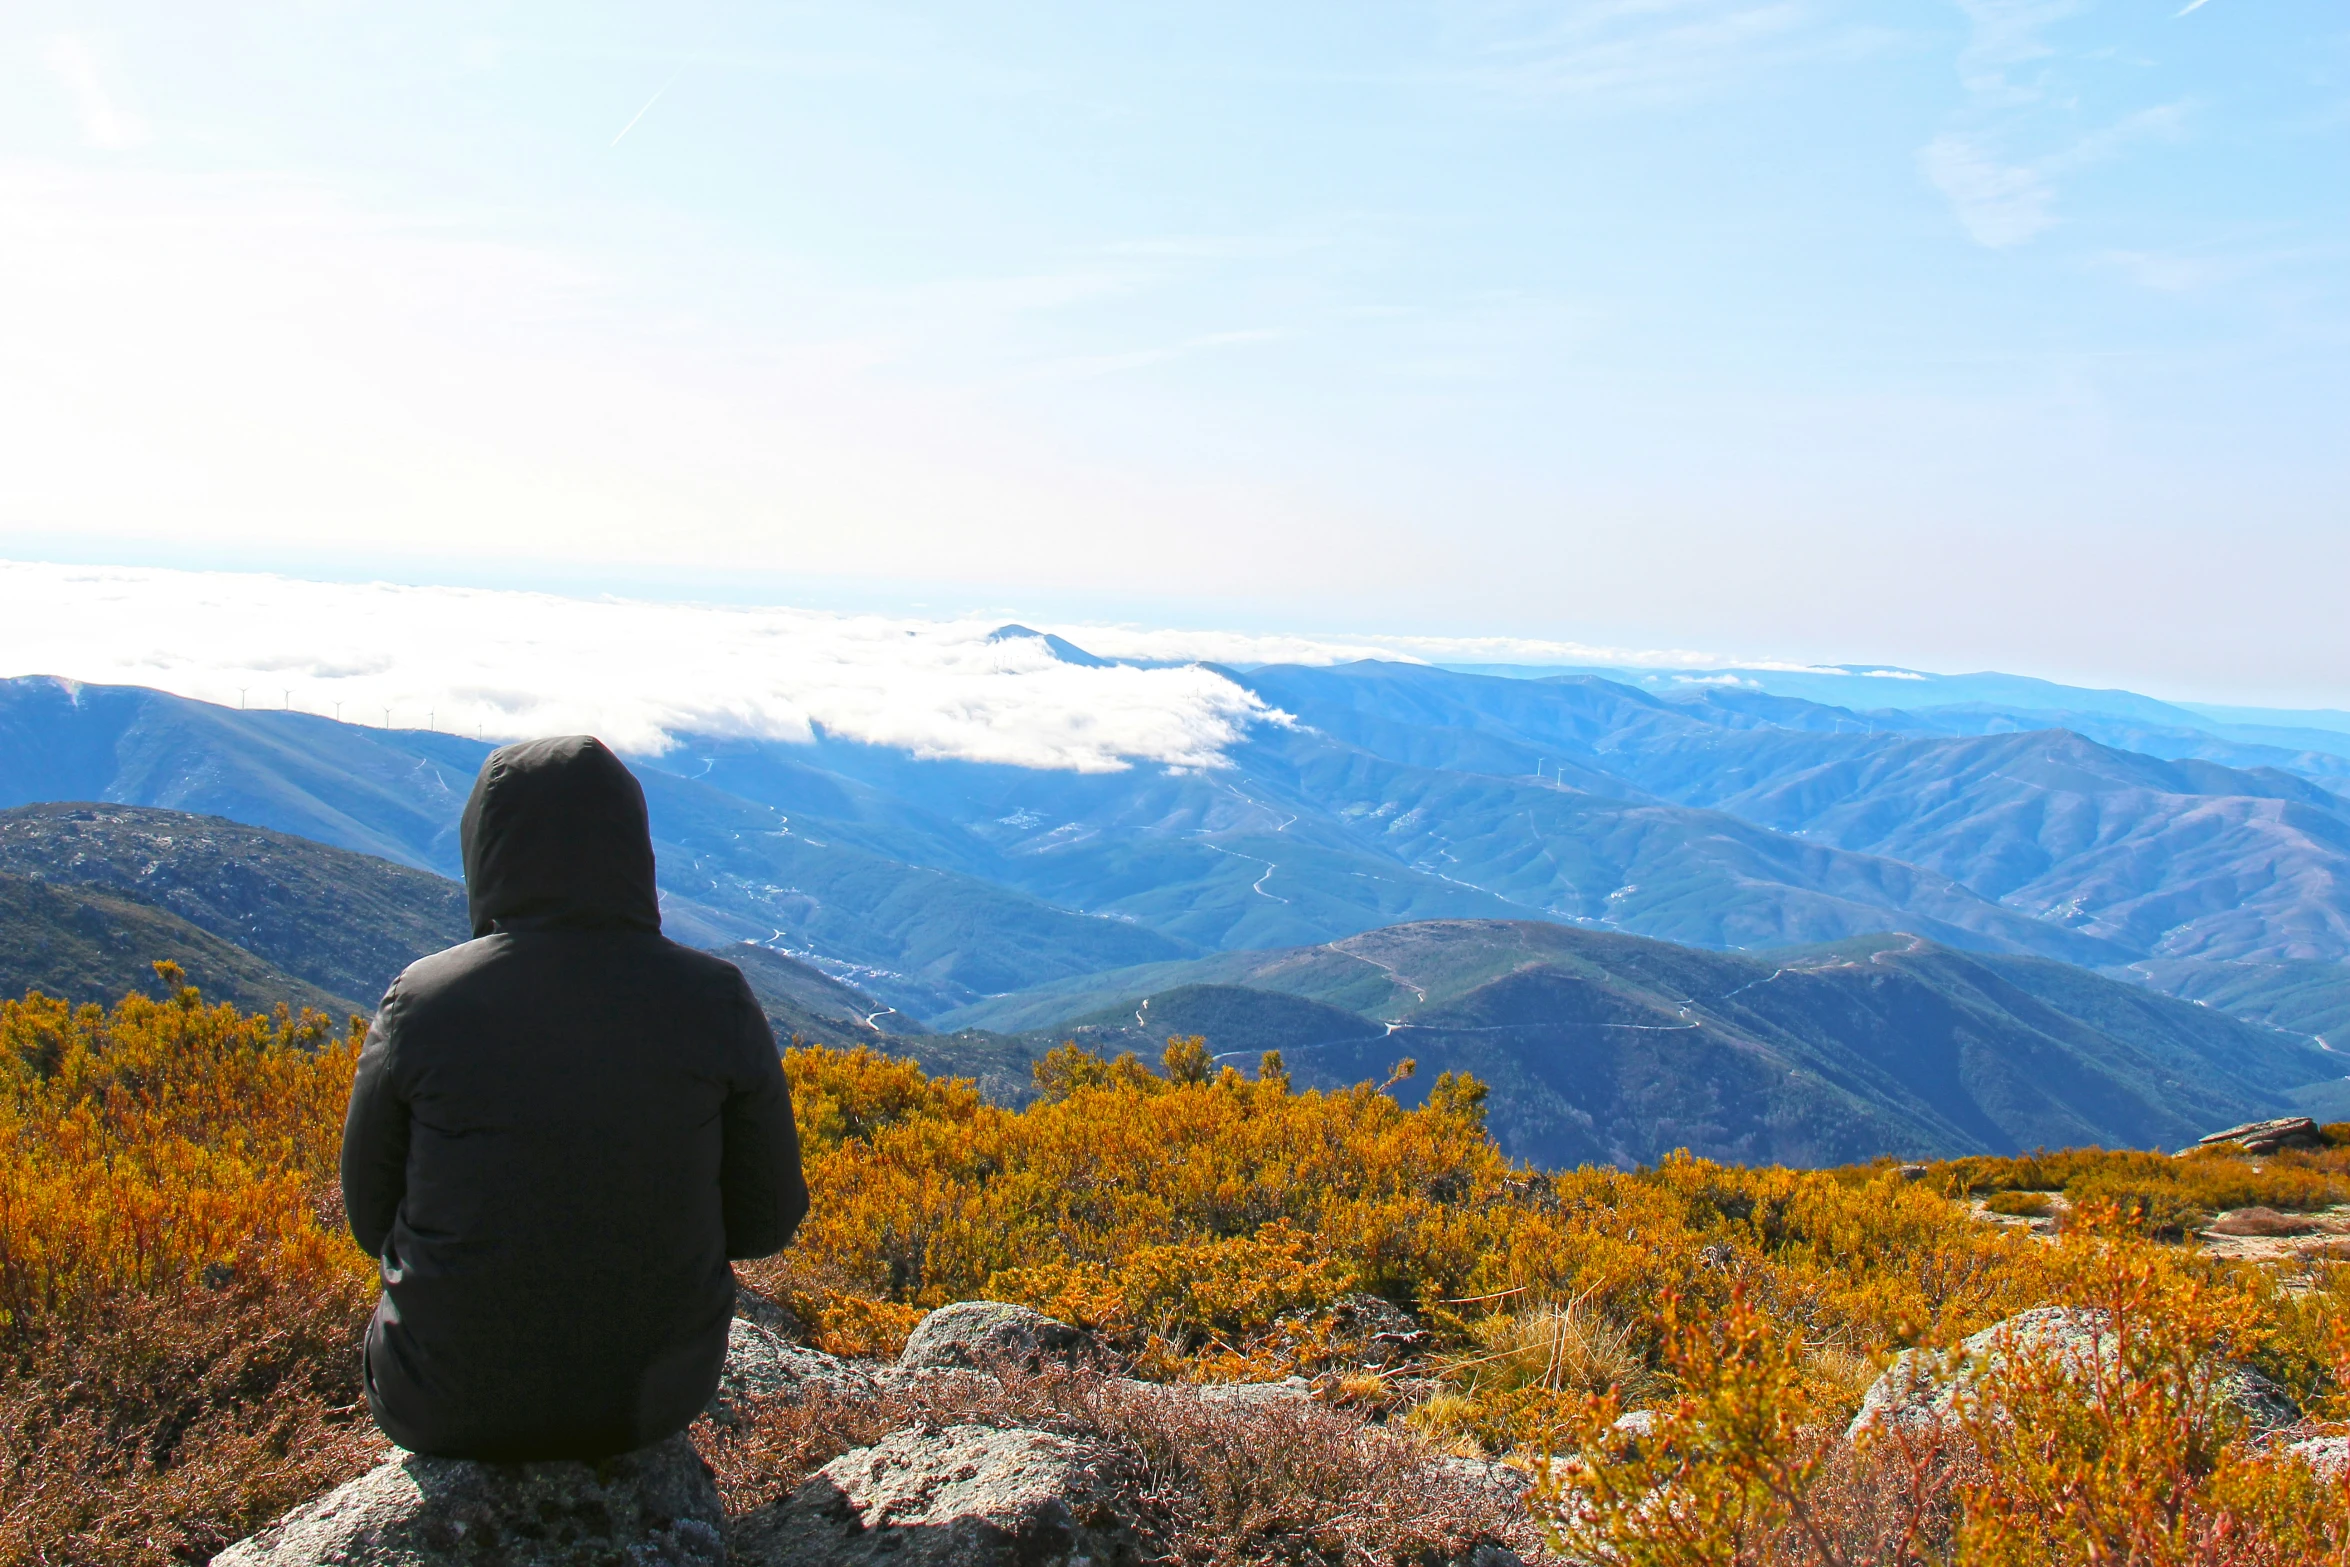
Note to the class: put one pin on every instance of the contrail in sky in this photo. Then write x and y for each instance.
(673, 75)
(2195, 5)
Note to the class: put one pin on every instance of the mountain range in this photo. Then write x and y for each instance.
(1717, 815)
(90, 947)
(1617, 1049)
(1741, 812)
(1596, 1046)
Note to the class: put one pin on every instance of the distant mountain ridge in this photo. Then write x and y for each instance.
(1617, 1049)
(731, 869)
(91, 895)
(1725, 816)
(1598, 1046)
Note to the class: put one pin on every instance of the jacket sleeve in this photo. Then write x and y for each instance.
(763, 1193)
(375, 1142)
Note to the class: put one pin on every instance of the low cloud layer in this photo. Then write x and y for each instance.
(506, 664)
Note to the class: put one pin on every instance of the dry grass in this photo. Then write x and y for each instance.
(1568, 1346)
(2166, 1196)
(1523, 1371)
(1294, 1482)
(164, 1427)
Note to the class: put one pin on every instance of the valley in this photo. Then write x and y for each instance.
(1610, 1049)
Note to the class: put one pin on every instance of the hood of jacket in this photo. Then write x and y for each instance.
(556, 838)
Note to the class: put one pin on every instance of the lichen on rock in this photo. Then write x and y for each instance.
(986, 1335)
(972, 1496)
(1922, 1386)
(656, 1507)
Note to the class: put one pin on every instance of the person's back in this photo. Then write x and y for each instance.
(560, 1134)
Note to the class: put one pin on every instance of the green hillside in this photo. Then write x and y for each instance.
(1619, 1049)
(2310, 998)
(1240, 1022)
(344, 923)
(92, 946)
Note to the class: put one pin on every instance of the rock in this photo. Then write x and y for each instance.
(1631, 1431)
(2292, 1131)
(1502, 1483)
(1920, 1386)
(656, 1507)
(2263, 1222)
(772, 1315)
(986, 1334)
(2328, 1455)
(971, 1496)
(760, 1364)
(1635, 1424)
(1255, 1395)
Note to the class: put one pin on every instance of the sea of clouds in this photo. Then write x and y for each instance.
(503, 664)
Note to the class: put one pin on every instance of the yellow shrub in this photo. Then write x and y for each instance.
(141, 1147)
(1193, 1217)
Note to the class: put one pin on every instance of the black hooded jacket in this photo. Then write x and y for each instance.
(560, 1133)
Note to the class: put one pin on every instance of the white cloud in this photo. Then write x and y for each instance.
(504, 664)
(105, 122)
(1999, 204)
(1248, 647)
(2017, 99)
(1646, 52)
(2003, 34)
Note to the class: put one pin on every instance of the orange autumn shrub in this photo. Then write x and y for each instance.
(143, 1146)
(179, 1304)
(2165, 1195)
(2134, 1455)
(1184, 1211)
(179, 1310)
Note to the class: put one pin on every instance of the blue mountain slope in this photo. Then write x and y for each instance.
(2137, 854)
(392, 793)
(1211, 857)
(2328, 764)
(1619, 1049)
(919, 937)
(1714, 815)
(1700, 877)
(1402, 798)
(2315, 743)
(1866, 687)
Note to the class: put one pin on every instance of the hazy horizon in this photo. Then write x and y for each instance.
(2001, 334)
(503, 663)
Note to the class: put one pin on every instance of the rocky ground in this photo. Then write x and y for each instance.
(1001, 1438)
(998, 1436)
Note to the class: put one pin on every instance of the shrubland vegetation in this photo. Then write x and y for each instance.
(180, 1309)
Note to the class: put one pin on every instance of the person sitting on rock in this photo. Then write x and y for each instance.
(560, 1134)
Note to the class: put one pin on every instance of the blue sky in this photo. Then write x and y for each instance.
(1955, 335)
